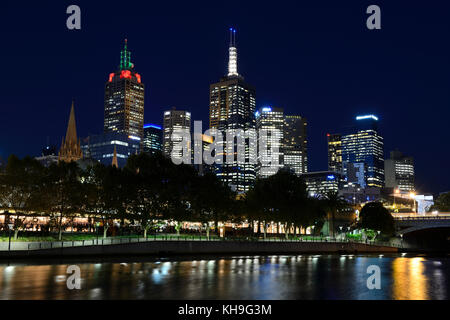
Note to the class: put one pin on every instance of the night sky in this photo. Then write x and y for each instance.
(313, 58)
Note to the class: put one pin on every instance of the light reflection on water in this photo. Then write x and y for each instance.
(239, 277)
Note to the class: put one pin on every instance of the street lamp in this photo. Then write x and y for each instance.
(96, 229)
(10, 228)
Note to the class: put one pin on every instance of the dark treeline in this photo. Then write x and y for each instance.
(150, 188)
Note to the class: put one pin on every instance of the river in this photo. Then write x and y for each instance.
(402, 276)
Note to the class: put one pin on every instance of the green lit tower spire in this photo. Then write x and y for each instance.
(125, 58)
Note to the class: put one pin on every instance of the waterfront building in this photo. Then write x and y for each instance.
(294, 146)
(110, 148)
(70, 146)
(232, 106)
(153, 137)
(174, 120)
(365, 145)
(399, 172)
(124, 99)
(270, 120)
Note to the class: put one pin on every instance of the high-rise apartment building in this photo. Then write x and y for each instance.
(232, 106)
(399, 172)
(270, 126)
(334, 142)
(153, 137)
(294, 147)
(124, 99)
(175, 120)
(365, 145)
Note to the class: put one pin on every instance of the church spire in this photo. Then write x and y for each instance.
(114, 160)
(232, 51)
(70, 146)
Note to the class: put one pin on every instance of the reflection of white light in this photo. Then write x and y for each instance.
(9, 269)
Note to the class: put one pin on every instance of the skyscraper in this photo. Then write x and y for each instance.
(334, 142)
(399, 171)
(153, 137)
(70, 146)
(365, 145)
(232, 107)
(124, 99)
(272, 121)
(174, 120)
(294, 147)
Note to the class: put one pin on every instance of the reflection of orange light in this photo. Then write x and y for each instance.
(409, 280)
(206, 138)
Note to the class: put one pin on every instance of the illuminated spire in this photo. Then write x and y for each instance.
(232, 60)
(70, 146)
(125, 58)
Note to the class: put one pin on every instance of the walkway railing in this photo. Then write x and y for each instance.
(28, 246)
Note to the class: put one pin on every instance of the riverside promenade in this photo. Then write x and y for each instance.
(189, 246)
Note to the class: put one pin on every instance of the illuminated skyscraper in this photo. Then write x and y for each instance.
(232, 107)
(153, 136)
(334, 152)
(366, 146)
(272, 121)
(124, 100)
(174, 120)
(294, 148)
(399, 171)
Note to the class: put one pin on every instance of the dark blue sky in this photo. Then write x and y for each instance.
(314, 58)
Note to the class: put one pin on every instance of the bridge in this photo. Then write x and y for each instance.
(407, 223)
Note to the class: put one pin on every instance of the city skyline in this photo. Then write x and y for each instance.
(87, 89)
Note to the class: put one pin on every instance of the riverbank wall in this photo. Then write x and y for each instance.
(161, 248)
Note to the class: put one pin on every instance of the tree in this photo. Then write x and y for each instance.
(281, 197)
(20, 188)
(376, 217)
(63, 192)
(442, 203)
(211, 201)
(333, 204)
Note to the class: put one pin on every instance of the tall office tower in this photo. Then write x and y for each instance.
(295, 151)
(232, 106)
(175, 120)
(334, 142)
(70, 146)
(124, 99)
(366, 146)
(399, 171)
(153, 137)
(272, 120)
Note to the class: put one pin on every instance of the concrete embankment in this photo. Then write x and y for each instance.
(202, 247)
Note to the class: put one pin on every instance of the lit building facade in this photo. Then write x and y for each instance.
(334, 142)
(153, 137)
(175, 120)
(399, 171)
(232, 106)
(322, 182)
(295, 144)
(366, 146)
(109, 148)
(270, 120)
(124, 99)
